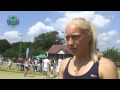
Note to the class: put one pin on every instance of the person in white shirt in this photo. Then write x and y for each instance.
(26, 67)
(58, 65)
(38, 67)
(51, 68)
(35, 65)
(1, 63)
(9, 63)
(46, 63)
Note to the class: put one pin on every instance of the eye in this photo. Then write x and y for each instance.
(67, 38)
(75, 37)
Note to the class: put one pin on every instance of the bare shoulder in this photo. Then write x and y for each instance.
(104, 62)
(62, 67)
(107, 69)
(65, 61)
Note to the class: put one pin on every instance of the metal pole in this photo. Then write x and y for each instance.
(20, 44)
(20, 49)
(64, 46)
(64, 52)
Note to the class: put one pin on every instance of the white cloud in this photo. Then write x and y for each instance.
(107, 36)
(112, 33)
(104, 38)
(118, 41)
(48, 20)
(85, 14)
(39, 28)
(11, 36)
(60, 23)
(98, 20)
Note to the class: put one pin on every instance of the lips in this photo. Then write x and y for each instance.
(72, 49)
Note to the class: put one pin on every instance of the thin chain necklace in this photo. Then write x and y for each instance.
(75, 71)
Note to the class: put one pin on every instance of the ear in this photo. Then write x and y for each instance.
(90, 36)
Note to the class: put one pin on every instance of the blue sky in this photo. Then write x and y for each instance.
(33, 23)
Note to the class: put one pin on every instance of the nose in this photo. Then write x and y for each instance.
(70, 41)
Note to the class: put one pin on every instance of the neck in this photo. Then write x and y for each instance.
(80, 61)
(82, 58)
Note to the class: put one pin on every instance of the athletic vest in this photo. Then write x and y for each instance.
(91, 74)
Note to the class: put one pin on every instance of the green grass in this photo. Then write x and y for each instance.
(119, 73)
(15, 74)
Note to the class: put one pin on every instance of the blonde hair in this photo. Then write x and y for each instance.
(99, 54)
(88, 26)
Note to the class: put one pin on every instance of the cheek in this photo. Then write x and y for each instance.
(83, 43)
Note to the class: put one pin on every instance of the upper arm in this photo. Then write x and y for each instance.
(62, 68)
(60, 76)
(108, 69)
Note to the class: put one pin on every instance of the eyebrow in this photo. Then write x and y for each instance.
(73, 34)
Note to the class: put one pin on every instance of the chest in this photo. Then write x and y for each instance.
(79, 69)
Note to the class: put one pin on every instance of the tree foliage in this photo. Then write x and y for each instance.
(4, 45)
(112, 53)
(41, 44)
(46, 40)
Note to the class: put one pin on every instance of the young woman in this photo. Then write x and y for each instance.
(26, 69)
(82, 42)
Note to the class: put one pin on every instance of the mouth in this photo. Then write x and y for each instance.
(73, 49)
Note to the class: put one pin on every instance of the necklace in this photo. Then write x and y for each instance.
(75, 71)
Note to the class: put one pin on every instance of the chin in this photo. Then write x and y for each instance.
(73, 52)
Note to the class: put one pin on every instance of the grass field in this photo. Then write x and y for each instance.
(15, 74)
(119, 72)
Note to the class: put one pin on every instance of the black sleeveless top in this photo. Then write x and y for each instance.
(91, 74)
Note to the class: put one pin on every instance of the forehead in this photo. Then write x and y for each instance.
(73, 29)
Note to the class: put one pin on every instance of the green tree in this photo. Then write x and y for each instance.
(40, 45)
(112, 53)
(4, 45)
(46, 40)
(15, 47)
(11, 53)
